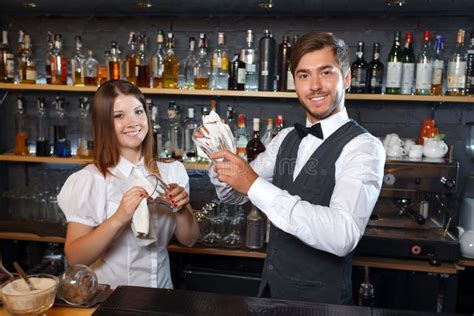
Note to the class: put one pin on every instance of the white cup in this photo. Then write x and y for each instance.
(392, 140)
(416, 152)
(409, 143)
(396, 151)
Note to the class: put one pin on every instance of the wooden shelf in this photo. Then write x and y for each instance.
(30, 237)
(233, 93)
(81, 161)
(217, 251)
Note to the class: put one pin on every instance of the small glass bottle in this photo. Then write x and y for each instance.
(249, 56)
(142, 67)
(114, 63)
(438, 66)
(170, 65)
(77, 64)
(91, 70)
(62, 146)
(189, 65)
(26, 63)
(131, 59)
(7, 61)
(202, 67)
(220, 65)
(176, 132)
(242, 139)
(189, 126)
(43, 148)
(21, 136)
(58, 62)
(85, 143)
(157, 61)
(255, 229)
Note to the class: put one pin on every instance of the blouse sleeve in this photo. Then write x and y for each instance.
(83, 197)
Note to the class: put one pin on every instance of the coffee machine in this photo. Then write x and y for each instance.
(415, 216)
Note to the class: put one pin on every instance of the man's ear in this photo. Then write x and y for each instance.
(347, 79)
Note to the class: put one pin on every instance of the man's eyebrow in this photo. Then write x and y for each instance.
(320, 68)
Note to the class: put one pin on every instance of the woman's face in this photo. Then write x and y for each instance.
(130, 123)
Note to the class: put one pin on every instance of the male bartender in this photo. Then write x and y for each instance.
(317, 184)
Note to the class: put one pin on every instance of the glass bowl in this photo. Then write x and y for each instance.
(77, 285)
(18, 299)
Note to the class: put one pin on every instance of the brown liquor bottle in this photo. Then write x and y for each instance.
(255, 145)
(131, 59)
(143, 69)
(170, 65)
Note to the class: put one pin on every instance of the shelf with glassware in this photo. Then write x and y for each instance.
(236, 93)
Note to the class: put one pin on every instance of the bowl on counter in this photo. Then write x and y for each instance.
(77, 285)
(18, 299)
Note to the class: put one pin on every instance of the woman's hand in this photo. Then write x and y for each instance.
(177, 196)
(129, 204)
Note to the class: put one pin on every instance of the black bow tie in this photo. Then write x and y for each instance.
(314, 130)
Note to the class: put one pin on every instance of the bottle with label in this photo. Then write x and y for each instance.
(189, 65)
(220, 65)
(267, 136)
(242, 139)
(249, 57)
(202, 67)
(131, 59)
(375, 72)
(266, 59)
(77, 64)
(114, 63)
(237, 74)
(254, 146)
(470, 67)
(424, 67)
(170, 65)
(43, 148)
(284, 50)
(457, 66)
(49, 53)
(142, 67)
(91, 70)
(189, 126)
(278, 126)
(7, 61)
(394, 67)
(85, 143)
(408, 68)
(438, 67)
(21, 136)
(26, 63)
(157, 61)
(290, 80)
(359, 71)
(255, 229)
(62, 146)
(58, 62)
(157, 130)
(176, 132)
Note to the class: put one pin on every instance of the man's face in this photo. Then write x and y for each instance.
(320, 84)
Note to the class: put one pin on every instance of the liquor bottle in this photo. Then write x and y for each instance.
(283, 63)
(204, 113)
(26, 63)
(266, 59)
(267, 136)
(21, 136)
(91, 70)
(43, 148)
(394, 67)
(290, 80)
(408, 70)
(424, 67)
(278, 126)
(438, 66)
(114, 63)
(375, 72)
(237, 74)
(220, 65)
(254, 146)
(470, 67)
(159, 149)
(157, 61)
(241, 136)
(189, 126)
(58, 62)
(7, 61)
(142, 67)
(85, 143)
(131, 59)
(49, 54)
(62, 146)
(176, 132)
(189, 65)
(77, 64)
(170, 65)
(249, 57)
(366, 291)
(202, 67)
(255, 229)
(231, 120)
(457, 68)
(359, 71)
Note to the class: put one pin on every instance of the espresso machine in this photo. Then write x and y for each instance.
(416, 215)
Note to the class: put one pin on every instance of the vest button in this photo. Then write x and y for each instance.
(270, 267)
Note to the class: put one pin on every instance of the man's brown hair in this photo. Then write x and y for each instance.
(315, 41)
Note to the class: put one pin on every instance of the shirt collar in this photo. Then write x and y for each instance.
(125, 167)
(330, 124)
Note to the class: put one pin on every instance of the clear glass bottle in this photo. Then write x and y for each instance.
(267, 136)
(7, 61)
(142, 67)
(254, 146)
(266, 58)
(189, 126)
(394, 66)
(58, 62)
(457, 65)
(408, 68)
(470, 66)
(189, 65)
(359, 71)
(278, 126)
(77, 64)
(170, 65)
(43, 147)
(220, 65)
(202, 67)
(21, 136)
(231, 120)
(26, 63)
(49, 54)
(114, 63)
(249, 57)
(131, 59)
(242, 138)
(176, 132)
(159, 150)
(85, 142)
(375, 72)
(91, 70)
(438, 66)
(157, 61)
(255, 229)
(62, 146)
(424, 66)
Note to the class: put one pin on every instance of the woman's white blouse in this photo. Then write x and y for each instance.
(88, 198)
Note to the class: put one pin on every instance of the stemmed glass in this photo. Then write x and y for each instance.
(233, 239)
(160, 191)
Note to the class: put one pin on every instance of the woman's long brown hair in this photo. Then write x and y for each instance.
(106, 147)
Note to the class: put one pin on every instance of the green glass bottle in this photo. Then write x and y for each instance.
(394, 67)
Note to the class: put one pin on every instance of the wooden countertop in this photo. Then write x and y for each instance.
(61, 311)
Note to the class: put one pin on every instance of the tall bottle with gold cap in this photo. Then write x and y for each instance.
(457, 67)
